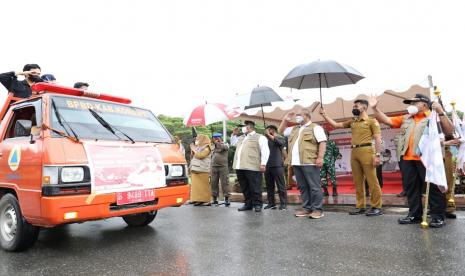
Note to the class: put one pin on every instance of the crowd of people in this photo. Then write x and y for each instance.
(304, 148)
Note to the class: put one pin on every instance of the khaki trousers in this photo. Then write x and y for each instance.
(449, 165)
(361, 161)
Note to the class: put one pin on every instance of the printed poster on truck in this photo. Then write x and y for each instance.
(122, 168)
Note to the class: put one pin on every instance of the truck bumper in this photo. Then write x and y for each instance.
(70, 209)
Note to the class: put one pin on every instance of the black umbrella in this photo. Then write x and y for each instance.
(259, 97)
(318, 74)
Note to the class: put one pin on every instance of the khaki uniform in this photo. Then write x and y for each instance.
(307, 174)
(361, 160)
(449, 165)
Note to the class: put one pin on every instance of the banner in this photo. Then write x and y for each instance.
(343, 138)
(121, 168)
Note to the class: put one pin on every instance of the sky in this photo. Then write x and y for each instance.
(170, 56)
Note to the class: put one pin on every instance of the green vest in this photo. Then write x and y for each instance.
(402, 138)
(308, 145)
(250, 153)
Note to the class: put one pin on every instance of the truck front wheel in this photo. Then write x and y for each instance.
(140, 219)
(16, 234)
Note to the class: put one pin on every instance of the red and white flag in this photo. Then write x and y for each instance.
(431, 153)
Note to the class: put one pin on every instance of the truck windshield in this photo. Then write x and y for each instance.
(139, 124)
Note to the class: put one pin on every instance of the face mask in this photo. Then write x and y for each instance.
(244, 130)
(196, 143)
(412, 109)
(299, 119)
(35, 79)
(356, 112)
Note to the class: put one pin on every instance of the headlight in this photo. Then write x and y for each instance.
(72, 174)
(177, 170)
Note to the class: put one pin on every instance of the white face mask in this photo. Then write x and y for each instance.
(244, 129)
(412, 109)
(196, 143)
(299, 119)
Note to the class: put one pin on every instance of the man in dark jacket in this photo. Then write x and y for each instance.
(21, 89)
(220, 171)
(274, 173)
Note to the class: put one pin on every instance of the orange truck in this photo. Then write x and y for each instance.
(69, 156)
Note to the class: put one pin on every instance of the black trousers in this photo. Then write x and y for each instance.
(413, 177)
(401, 175)
(251, 186)
(275, 175)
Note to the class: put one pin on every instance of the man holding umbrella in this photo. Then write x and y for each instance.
(363, 160)
(274, 174)
(250, 161)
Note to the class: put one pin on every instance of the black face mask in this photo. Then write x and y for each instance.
(356, 112)
(35, 79)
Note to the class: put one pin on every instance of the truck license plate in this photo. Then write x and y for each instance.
(130, 197)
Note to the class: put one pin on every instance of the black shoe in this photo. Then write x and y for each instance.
(325, 191)
(245, 208)
(437, 223)
(270, 206)
(373, 212)
(451, 215)
(215, 203)
(258, 208)
(357, 211)
(282, 207)
(335, 191)
(402, 194)
(226, 201)
(409, 220)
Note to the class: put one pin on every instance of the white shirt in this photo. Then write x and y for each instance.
(320, 136)
(264, 150)
(234, 139)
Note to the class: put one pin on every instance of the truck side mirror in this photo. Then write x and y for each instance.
(35, 131)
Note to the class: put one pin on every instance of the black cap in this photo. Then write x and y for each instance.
(247, 122)
(272, 127)
(78, 85)
(418, 98)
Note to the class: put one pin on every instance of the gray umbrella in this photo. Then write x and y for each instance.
(259, 97)
(326, 73)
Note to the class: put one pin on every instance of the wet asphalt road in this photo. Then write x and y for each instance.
(221, 241)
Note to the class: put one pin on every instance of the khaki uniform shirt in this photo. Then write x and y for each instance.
(363, 129)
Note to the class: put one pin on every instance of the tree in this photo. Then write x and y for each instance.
(176, 127)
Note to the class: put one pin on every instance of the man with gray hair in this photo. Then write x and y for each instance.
(307, 146)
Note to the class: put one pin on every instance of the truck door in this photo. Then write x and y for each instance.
(21, 156)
